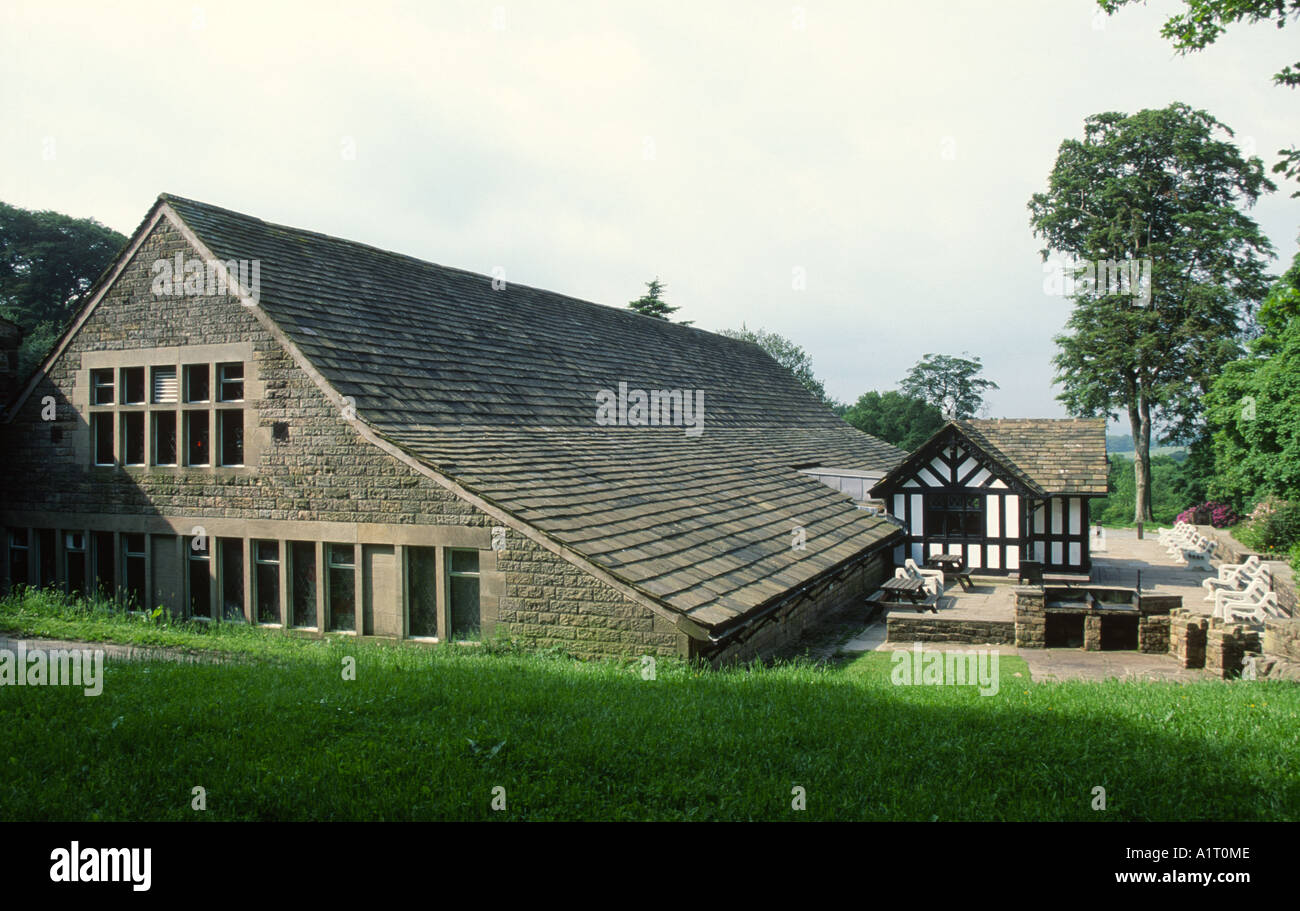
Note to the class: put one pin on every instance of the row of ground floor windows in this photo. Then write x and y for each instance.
(283, 585)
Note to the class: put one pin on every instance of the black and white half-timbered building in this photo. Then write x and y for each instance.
(999, 492)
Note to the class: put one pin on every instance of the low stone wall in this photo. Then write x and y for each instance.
(1153, 635)
(1031, 621)
(920, 629)
(1282, 638)
(1226, 646)
(780, 630)
(1187, 637)
(1152, 614)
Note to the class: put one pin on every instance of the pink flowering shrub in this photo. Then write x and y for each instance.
(1220, 515)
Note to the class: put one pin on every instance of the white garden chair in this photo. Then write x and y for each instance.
(1253, 594)
(1237, 578)
(1238, 611)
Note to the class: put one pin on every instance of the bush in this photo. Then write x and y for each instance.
(1220, 515)
(1274, 528)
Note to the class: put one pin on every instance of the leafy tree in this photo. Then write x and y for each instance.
(652, 303)
(1254, 406)
(894, 417)
(1159, 189)
(1172, 487)
(47, 261)
(789, 355)
(1205, 20)
(952, 384)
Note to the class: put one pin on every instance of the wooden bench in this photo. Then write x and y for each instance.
(894, 590)
(952, 565)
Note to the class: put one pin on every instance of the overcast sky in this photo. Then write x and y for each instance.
(886, 149)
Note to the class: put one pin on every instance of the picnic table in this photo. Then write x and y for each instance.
(896, 589)
(952, 565)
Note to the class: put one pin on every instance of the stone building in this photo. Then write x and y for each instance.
(252, 422)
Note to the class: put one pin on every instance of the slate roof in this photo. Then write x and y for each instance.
(1058, 456)
(497, 390)
(1047, 456)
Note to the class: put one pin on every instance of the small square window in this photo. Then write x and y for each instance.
(280, 431)
(164, 385)
(132, 385)
(197, 387)
(101, 387)
(230, 382)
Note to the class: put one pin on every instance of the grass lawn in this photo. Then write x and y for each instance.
(416, 735)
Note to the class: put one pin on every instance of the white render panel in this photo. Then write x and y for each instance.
(1058, 516)
(1013, 518)
(995, 558)
(900, 506)
(941, 470)
(1058, 552)
(911, 482)
(929, 479)
(979, 479)
(918, 515)
(1076, 554)
(1013, 558)
(974, 561)
(964, 468)
(1076, 518)
(918, 553)
(991, 511)
(999, 483)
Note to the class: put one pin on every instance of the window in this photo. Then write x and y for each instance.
(196, 438)
(105, 565)
(164, 437)
(196, 383)
(230, 382)
(422, 591)
(101, 429)
(18, 553)
(132, 385)
(133, 571)
(342, 589)
(266, 562)
(133, 438)
(74, 561)
(101, 387)
(463, 593)
(954, 516)
(231, 554)
(164, 385)
(208, 430)
(45, 557)
(200, 578)
(230, 428)
(302, 560)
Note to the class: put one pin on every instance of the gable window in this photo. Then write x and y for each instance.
(133, 438)
(230, 429)
(230, 382)
(132, 385)
(101, 428)
(164, 385)
(196, 438)
(196, 383)
(101, 387)
(954, 516)
(164, 437)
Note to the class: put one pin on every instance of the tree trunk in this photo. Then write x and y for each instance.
(1139, 415)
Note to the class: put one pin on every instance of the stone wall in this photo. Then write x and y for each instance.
(1226, 646)
(929, 628)
(782, 628)
(323, 472)
(1282, 638)
(1187, 637)
(1153, 635)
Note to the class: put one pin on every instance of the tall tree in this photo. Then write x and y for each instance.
(652, 302)
(1254, 406)
(1163, 191)
(951, 384)
(1205, 20)
(894, 417)
(786, 353)
(47, 261)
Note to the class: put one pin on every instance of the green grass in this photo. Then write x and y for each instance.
(289, 738)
